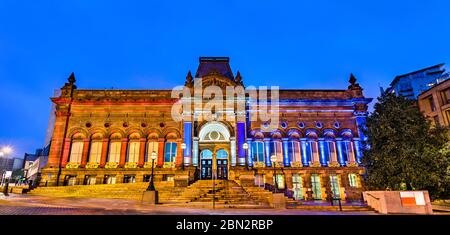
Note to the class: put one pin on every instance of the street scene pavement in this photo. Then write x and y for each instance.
(16, 204)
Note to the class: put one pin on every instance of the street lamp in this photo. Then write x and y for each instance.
(5, 151)
(183, 146)
(273, 159)
(151, 186)
(245, 147)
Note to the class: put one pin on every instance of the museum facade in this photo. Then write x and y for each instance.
(117, 136)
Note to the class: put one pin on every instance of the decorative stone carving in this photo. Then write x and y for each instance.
(149, 164)
(92, 165)
(169, 165)
(72, 165)
(131, 165)
(111, 165)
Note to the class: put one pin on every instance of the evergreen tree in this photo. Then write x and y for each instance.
(404, 151)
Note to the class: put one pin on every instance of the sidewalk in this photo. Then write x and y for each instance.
(38, 205)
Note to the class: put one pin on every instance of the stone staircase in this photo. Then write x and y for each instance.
(261, 194)
(132, 191)
(225, 194)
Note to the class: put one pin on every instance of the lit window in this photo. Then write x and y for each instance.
(170, 151)
(133, 151)
(76, 152)
(276, 149)
(294, 151)
(96, 152)
(353, 180)
(258, 151)
(114, 151)
(151, 147)
(316, 188)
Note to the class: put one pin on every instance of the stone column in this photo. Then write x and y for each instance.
(233, 151)
(240, 139)
(195, 152)
(179, 156)
(84, 157)
(305, 160)
(123, 152)
(322, 159)
(286, 159)
(339, 151)
(66, 151)
(187, 132)
(249, 152)
(105, 144)
(160, 161)
(141, 152)
(267, 152)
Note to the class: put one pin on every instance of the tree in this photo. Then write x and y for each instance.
(403, 150)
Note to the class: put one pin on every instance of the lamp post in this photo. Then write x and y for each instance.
(4, 152)
(245, 147)
(183, 146)
(151, 186)
(273, 159)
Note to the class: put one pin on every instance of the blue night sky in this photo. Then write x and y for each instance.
(146, 45)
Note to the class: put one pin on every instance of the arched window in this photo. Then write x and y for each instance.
(114, 151)
(76, 152)
(170, 151)
(152, 146)
(95, 152)
(221, 154)
(258, 151)
(206, 154)
(133, 151)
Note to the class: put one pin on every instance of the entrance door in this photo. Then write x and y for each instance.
(206, 168)
(222, 169)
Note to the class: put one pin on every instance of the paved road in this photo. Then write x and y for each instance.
(38, 205)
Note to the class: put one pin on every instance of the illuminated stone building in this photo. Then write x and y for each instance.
(107, 137)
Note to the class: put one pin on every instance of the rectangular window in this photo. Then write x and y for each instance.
(345, 151)
(170, 151)
(316, 188)
(326, 152)
(445, 96)
(258, 151)
(151, 147)
(133, 151)
(309, 150)
(353, 180)
(297, 186)
(280, 181)
(95, 152)
(277, 150)
(436, 120)
(76, 152)
(294, 151)
(334, 181)
(114, 151)
(431, 103)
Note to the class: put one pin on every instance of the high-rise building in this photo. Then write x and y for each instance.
(412, 84)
